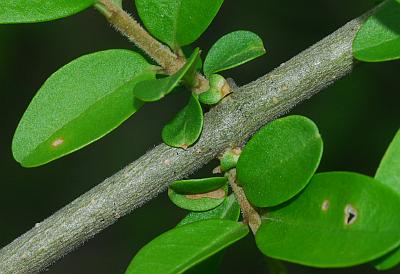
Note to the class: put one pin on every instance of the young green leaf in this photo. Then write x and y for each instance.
(388, 173)
(199, 202)
(379, 37)
(195, 186)
(232, 50)
(228, 210)
(219, 88)
(341, 219)
(154, 90)
(78, 104)
(177, 22)
(279, 160)
(229, 159)
(31, 11)
(177, 250)
(186, 127)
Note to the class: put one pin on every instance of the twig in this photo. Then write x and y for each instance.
(228, 124)
(250, 214)
(159, 52)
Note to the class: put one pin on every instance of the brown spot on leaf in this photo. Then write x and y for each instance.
(350, 215)
(58, 142)
(325, 205)
(216, 194)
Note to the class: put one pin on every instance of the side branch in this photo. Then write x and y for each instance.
(130, 28)
(229, 124)
(159, 52)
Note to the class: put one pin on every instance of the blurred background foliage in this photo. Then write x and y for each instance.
(357, 117)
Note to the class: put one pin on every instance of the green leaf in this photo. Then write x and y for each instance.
(79, 104)
(186, 127)
(219, 88)
(179, 249)
(199, 202)
(228, 210)
(279, 160)
(177, 22)
(379, 38)
(154, 90)
(388, 173)
(229, 159)
(232, 50)
(195, 186)
(389, 169)
(341, 219)
(31, 11)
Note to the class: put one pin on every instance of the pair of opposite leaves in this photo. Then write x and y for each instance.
(335, 221)
(92, 95)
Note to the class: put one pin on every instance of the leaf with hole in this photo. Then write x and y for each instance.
(185, 128)
(154, 90)
(199, 202)
(388, 173)
(279, 160)
(341, 219)
(31, 11)
(78, 104)
(379, 38)
(179, 249)
(232, 50)
(195, 186)
(177, 22)
(228, 210)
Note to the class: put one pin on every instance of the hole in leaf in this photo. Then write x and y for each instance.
(350, 214)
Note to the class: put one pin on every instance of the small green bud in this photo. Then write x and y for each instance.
(219, 88)
(229, 158)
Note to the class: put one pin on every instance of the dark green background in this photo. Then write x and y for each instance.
(357, 117)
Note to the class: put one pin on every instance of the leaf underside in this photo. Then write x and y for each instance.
(228, 210)
(199, 202)
(194, 186)
(184, 130)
